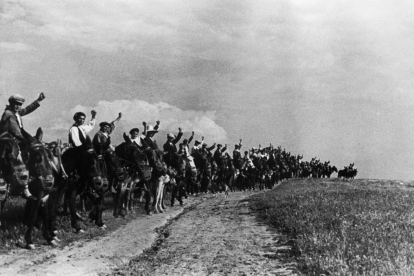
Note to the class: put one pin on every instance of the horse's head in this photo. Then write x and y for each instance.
(111, 165)
(38, 162)
(178, 162)
(13, 168)
(84, 161)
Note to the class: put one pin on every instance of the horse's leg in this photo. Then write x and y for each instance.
(159, 187)
(163, 193)
(127, 200)
(36, 189)
(174, 190)
(147, 196)
(2, 205)
(51, 206)
(181, 191)
(47, 223)
(99, 209)
(71, 197)
(122, 204)
(83, 201)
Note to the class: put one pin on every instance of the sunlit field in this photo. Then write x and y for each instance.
(359, 227)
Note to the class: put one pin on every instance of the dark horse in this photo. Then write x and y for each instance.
(181, 174)
(16, 171)
(81, 166)
(133, 159)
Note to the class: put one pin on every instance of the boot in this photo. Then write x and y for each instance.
(27, 195)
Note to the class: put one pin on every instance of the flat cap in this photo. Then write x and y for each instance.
(17, 99)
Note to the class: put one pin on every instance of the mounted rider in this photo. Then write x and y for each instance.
(138, 140)
(197, 146)
(170, 146)
(149, 132)
(102, 141)
(78, 131)
(219, 154)
(207, 150)
(185, 151)
(11, 122)
(237, 155)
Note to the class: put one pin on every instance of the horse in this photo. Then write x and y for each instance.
(159, 179)
(180, 173)
(16, 172)
(203, 164)
(328, 171)
(134, 160)
(81, 164)
(246, 177)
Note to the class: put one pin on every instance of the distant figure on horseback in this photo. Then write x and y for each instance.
(11, 122)
(170, 146)
(102, 140)
(219, 154)
(144, 149)
(149, 132)
(197, 146)
(237, 155)
(78, 131)
(186, 151)
(138, 140)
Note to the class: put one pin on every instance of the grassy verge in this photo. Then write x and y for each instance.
(362, 227)
(12, 236)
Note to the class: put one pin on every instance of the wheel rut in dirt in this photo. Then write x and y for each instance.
(220, 236)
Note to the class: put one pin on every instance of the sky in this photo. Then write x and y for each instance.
(326, 79)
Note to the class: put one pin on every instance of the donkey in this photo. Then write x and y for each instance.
(83, 170)
(16, 172)
(133, 160)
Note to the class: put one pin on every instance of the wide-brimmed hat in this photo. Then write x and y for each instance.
(104, 124)
(237, 146)
(150, 128)
(197, 142)
(171, 135)
(219, 145)
(77, 114)
(17, 99)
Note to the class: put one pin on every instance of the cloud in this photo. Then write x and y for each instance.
(102, 25)
(134, 112)
(14, 47)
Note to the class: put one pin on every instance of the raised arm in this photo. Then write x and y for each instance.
(191, 138)
(179, 135)
(115, 122)
(157, 125)
(145, 128)
(212, 147)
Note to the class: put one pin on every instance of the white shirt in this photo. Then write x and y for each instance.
(195, 148)
(85, 129)
(137, 141)
(19, 119)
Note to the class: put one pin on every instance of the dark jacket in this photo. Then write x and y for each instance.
(9, 121)
(100, 142)
(218, 154)
(151, 143)
(170, 146)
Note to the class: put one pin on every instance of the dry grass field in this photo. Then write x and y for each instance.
(358, 227)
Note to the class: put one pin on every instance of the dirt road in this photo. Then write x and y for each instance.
(210, 236)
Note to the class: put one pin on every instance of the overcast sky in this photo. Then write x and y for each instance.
(332, 79)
